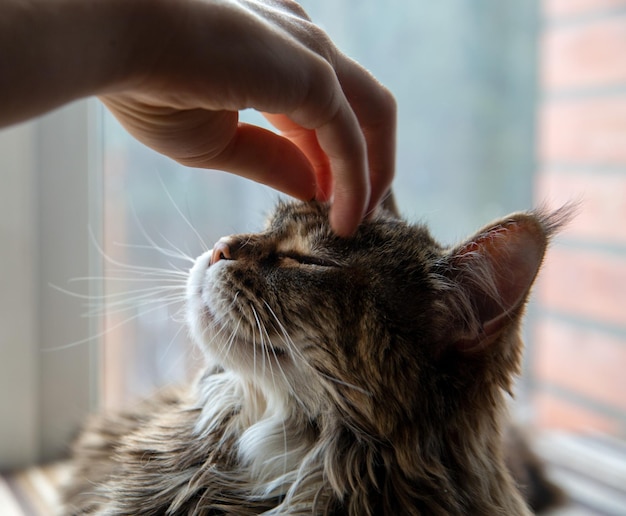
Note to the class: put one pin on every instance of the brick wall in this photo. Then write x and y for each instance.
(578, 354)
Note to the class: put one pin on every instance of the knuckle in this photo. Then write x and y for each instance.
(294, 7)
(321, 95)
(382, 112)
(321, 43)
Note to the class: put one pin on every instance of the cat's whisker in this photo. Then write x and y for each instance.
(153, 246)
(267, 363)
(135, 302)
(133, 276)
(167, 291)
(127, 268)
(130, 268)
(264, 345)
(182, 215)
(183, 255)
(263, 331)
(345, 384)
(254, 360)
(101, 333)
(180, 315)
(181, 356)
(296, 351)
(100, 305)
(115, 295)
(215, 335)
(228, 343)
(171, 277)
(292, 390)
(174, 252)
(124, 306)
(286, 338)
(261, 349)
(234, 301)
(233, 337)
(148, 271)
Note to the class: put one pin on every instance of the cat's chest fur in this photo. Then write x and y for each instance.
(265, 438)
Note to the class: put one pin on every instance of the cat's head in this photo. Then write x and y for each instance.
(386, 327)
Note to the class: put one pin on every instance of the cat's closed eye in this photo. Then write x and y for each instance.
(295, 259)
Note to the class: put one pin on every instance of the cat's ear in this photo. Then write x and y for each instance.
(493, 271)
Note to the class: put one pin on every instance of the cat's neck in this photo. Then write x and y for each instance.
(454, 473)
(262, 429)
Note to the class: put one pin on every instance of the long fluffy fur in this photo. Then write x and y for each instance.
(334, 383)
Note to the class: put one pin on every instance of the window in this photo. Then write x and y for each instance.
(464, 156)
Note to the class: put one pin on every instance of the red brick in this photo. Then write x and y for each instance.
(602, 197)
(585, 131)
(587, 362)
(551, 412)
(562, 8)
(584, 56)
(585, 283)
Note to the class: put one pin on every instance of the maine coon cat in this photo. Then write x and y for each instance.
(346, 376)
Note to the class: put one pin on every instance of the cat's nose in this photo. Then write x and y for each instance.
(221, 251)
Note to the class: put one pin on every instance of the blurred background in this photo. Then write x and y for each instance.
(503, 105)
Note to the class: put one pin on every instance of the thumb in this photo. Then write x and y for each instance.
(267, 158)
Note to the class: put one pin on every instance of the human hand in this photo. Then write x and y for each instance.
(196, 64)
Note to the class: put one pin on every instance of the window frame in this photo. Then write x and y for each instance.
(53, 166)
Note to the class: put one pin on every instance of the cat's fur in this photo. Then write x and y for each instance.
(358, 376)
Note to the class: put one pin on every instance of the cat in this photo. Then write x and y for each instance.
(358, 376)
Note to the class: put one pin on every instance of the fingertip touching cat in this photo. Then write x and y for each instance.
(358, 376)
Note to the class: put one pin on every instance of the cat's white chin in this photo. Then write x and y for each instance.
(203, 313)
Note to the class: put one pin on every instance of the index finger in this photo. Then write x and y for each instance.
(326, 110)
